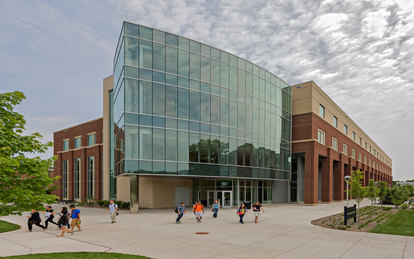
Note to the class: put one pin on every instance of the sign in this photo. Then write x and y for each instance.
(350, 212)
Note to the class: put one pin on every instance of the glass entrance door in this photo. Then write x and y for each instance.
(223, 197)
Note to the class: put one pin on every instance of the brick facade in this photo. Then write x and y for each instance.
(85, 151)
(305, 135)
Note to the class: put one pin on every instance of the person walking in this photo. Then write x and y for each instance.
(61, 213)
(49, 216)
(256, 209)
(241, 211)
(113, 210)
(215, 208)
(180, 211)
(34, 218)
(75, 215)
(198, 210)
(64, 222)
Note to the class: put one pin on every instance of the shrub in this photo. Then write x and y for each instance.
(387, 208)
(125, 205)
(101, 203)
(404, 206)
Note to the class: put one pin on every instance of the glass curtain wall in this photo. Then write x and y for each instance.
(181, 107)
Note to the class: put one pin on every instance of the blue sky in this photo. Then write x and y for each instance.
(361, 53)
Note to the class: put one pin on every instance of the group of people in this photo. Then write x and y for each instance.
(198, 210)
(63, 222)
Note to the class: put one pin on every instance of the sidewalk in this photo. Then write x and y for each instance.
(284, 231)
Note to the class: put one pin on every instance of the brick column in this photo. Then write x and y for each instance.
(311, 178)
(347, 171)
(339, 179)
(327, 178)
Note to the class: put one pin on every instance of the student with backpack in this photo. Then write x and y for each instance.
(256, 209)
(198, 210)
(113, 209)
(180, 210)
(34, 218)
(64, 222)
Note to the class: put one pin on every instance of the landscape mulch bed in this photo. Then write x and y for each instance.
(369, 217)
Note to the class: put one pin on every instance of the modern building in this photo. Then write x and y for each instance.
(192, 122)
(326, 146)
(184, 121)
(79, 161)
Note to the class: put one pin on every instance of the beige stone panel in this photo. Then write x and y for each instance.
(302, 98)
(108, 84)
(146, 192)
(122, 188)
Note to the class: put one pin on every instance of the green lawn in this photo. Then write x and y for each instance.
(77, 255)
(401, 223)
(6, 226)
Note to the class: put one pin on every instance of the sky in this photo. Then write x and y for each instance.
(361, 53)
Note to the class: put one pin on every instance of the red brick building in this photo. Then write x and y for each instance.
(79, 151)
(326, 146)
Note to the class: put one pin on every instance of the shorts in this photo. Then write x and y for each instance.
(256, 213)
(198, 214)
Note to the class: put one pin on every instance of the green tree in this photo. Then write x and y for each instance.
(23, 181)
(382, 190)
(372, 191)
(357, 191)
(399, 196)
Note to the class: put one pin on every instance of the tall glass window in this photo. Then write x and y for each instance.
(65, 145)
(78, 142)
(65, 179)
(91, 139)
(77, 175)
(90, 177)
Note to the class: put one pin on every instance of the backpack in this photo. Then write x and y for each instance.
(176, 210)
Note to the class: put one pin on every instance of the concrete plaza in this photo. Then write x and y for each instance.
(284, 231)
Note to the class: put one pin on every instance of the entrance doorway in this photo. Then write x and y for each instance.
(225, 198)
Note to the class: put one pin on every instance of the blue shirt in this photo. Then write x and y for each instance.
(181, 209)
(75, 214)
(216, 206)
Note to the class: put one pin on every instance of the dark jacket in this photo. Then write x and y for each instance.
(64, 220)
(35, 217)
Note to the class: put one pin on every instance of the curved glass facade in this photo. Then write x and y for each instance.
(181, 107)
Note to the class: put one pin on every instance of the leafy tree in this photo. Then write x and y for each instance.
(23, 181)
(382, 190)
(371, 191)
(356, 190)
(399, 196)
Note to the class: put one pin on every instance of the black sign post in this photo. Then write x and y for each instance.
(350, 212)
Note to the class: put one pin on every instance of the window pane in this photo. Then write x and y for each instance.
(171, 57)
(195, 66)
(158, 138)
(145, 32)
(233, 78)
(158, 107)
(183, 63)
(215, 72)
(145, 97)
(159, 57)
(195, 47)
(171, 145)
(171, 101)
(205, 69)
(224, 109)
(241, 81)
(131, 29)
(131, 95)
(204, 148)
(183, 103)
(145, 143)
(233, 112)
(131, 142)
(205, 50)
(159, 36)
(215, 109)
(205, 107)
(225, 74)
(193, 147)
(145, 54)
(194, 105)
(182, 146)
(171, 40)
(183, 43)
(131, 51)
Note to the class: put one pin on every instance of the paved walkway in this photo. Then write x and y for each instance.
(283, 232)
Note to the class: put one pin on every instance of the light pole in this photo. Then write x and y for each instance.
(347, 189)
